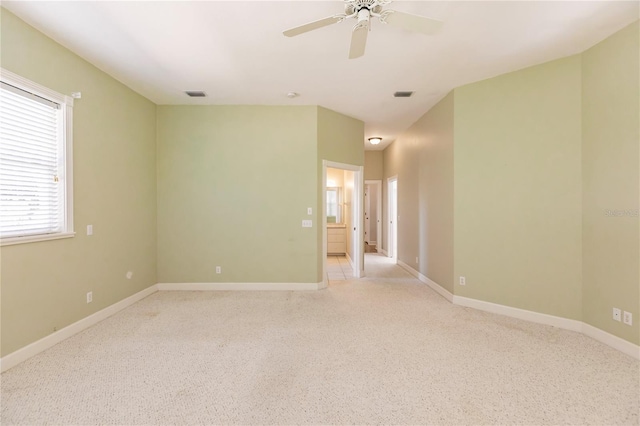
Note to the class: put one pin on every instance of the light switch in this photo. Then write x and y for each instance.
(309, 211)
(307, 224)
(89, 229)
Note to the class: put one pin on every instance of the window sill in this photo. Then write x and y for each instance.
(35, 238)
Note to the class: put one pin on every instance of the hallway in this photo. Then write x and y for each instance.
(376, 265)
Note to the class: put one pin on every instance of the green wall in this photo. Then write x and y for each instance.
(340, 139)
(373, 165)
(610, 170)
(44, 284)
(540, 156)
(518, 207)
(234, 184)
(422, 158)
(171, 191)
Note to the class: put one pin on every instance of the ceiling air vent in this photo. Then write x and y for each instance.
(403, 94)
(195, 93)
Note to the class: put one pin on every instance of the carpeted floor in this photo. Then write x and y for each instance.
(381, 350)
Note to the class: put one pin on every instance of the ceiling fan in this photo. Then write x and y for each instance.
(363, 11)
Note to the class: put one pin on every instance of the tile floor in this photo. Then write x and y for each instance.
(339, 268)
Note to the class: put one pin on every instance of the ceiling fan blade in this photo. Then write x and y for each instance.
(358, 40)
(313, 25)
(410, 22)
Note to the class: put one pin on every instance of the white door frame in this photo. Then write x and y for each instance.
(358, 204)
(367, 213)
(378, 184)
(392, 229)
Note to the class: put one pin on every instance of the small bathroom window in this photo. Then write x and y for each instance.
(333, 205)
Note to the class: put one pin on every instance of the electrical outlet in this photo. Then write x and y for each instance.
(616, 314)
(218, 270)
(129, 275)
(627, 318)
(463, 281)
(90, 297)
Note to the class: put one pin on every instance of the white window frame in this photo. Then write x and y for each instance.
(338, 191)
(66, 147)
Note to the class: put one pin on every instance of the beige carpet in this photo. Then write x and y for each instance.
(381, 350)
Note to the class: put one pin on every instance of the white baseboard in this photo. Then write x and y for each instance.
(238, 286)
(432, 284)
(608, 339)
(349, 259)
(14, 358)
(408, 268)
(382, 251)
(565, 323)
(601, 336)
(22, 354)
(373, 243)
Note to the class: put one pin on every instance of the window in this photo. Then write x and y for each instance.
(36, 201)
(333, 205)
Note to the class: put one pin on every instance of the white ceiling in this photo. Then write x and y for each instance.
(235, 50)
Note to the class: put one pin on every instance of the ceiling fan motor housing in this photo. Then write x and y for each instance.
(355, 6)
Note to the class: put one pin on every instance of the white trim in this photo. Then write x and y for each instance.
(601, 336)
(378, 184)
(432, 284)
(382, 251)
(531, 316)
(68, 165)
(357, 208)
(238, 286)
(358, 211)
(22, 354)
(608, 339)
(34, 238)
(323, 207)
(32, 349)
(66, 103)
(349, 259)
(33, 87)
(392, 227)
(367, 208)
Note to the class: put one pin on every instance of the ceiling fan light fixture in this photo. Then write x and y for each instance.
(375, 141)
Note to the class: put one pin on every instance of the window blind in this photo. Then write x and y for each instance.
(31, 156)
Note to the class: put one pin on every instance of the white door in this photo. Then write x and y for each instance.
(393, 217)
(367, 210)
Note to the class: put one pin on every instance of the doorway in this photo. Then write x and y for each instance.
(342, 218)
(392, 237)
(372, 215)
